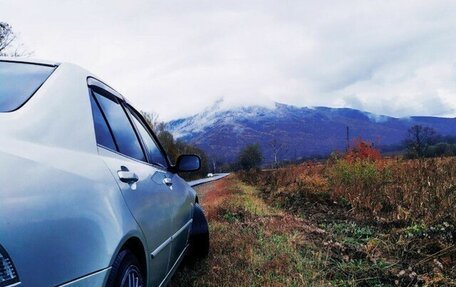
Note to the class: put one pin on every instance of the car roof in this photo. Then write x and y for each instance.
(29, 61)
(92, 79)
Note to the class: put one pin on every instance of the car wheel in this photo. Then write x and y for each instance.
(126, 271)
(199, 236)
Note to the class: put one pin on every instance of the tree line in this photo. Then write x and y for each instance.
(424, 141)
(420, 142)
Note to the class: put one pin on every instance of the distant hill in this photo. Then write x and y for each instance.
(304, 132)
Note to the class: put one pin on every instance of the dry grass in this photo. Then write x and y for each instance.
(252, 244)
(398, 216)
(387, 190)
(383, 223)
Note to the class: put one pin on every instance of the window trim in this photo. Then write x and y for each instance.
(91, 94)
(118, 101)
(126, 156)
(39, 63)
(106, 91)
(143, 122)
(92, 82)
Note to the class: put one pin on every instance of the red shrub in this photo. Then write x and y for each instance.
(362, 150)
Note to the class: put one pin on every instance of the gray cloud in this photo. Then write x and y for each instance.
(178, 57)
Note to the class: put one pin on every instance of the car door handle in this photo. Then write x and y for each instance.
(168, 181)
(127, 176)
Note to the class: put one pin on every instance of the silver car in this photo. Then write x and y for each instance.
(88, 196)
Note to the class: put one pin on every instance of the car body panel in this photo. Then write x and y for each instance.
(183, 200)
(39, 150)
(147, 194)
(98, 278)
(64, 214)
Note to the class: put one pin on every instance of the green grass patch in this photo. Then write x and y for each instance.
(350, 232)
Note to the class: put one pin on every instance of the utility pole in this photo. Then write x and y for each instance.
(348, 138)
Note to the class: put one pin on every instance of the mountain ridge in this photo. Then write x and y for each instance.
(300, 131)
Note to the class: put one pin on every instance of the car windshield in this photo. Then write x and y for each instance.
(19, 81)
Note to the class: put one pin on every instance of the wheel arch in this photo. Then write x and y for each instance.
(199, 224)
(136, 244)
(199, 234)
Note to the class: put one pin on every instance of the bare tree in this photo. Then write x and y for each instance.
(277, 149)
(418, 140)
(6, 37)
(8, 42)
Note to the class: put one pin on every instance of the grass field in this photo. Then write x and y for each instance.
(335, 224)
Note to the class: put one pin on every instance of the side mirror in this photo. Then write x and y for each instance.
(188, 162)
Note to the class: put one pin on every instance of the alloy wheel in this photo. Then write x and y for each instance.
(132, 277)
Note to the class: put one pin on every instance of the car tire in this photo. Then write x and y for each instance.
(126, 269)
(199, 235)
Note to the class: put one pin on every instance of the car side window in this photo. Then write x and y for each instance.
(102, 132)
(122, 130)
(153, 151)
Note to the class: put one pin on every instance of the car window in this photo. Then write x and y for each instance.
(102, 132)
(19, 81)
(153, 151)
(122, 130)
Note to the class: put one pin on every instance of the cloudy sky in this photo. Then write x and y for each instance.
(176, 58)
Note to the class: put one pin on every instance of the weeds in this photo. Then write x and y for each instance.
(351, 233)
(388, 191)
(348, 222)
(389, 221)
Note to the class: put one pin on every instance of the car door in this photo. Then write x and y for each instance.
(177, 189)
(181, 217)
(141, 183)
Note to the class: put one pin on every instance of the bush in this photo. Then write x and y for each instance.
(363, 150)
(250, 157)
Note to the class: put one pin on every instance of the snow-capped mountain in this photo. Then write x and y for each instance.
(299, 132)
